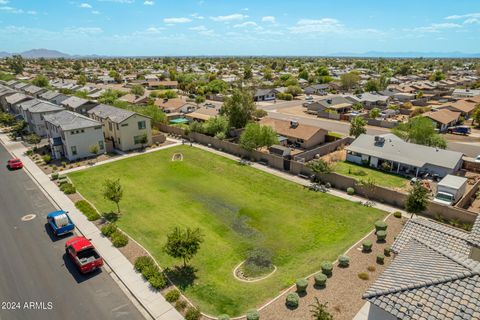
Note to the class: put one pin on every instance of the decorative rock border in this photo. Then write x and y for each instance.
(254, 279)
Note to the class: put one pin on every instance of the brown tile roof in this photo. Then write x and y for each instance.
(443, 116)
(165, 83)
(283, 127)
(475, 99)
(203, 113)
(171, 104)
(133, 99)
(460, 105)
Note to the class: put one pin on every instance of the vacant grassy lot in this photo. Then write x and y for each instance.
(237, 208)
(381, 178)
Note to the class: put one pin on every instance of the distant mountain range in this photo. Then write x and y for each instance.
(53, 54)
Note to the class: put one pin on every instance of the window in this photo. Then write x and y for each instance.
(110, 126)
(117, 126)
(125, 125)
(141, 125)
(74, 150)
(100, 145)
(137, 139)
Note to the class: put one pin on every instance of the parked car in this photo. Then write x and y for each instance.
(14, 164)
(309, 97)
(459, 130)
(60, 222)
(83, 254)
(477, 158)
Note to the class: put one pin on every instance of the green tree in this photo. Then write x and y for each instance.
(369, 186)
(183, 244)
(18, 129)
(40, 81)
(7, 119)
(16, 63)
(437, 76)
(349, 80)
(417, 199)
(215, 125)
(93, 149)
(256, 136)
(247, 72)
(113, 191)
(374, 113)
(238, 108)
(199, 99)
(303, 74)
(420, 130)
(294, 90)
(357, 126)
(372, 86)
(82, 80)
(137, 90)
(476, 115)
(33, 139)
(319, 311)
(319, 166)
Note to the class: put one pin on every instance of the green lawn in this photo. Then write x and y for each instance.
(237, 207)
(381, 178)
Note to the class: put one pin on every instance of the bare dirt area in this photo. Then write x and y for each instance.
(344, 289)
(297, 111)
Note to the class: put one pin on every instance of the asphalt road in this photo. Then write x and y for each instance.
(470, 149)
(36, 277)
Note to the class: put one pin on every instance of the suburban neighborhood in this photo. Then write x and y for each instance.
(195, 171)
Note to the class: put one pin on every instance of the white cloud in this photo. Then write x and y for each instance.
(16, 10)
(437, 27)
(270, 19)
(472, 21)
(85, 6)
(118, 1)
(177, 20)
(82, 30)
(95, 12)
(231, 17)
(3, 1)
(197, 16)
(321, 26)
(246, 24)
(463, 16)
(198, 28)
(149, 3)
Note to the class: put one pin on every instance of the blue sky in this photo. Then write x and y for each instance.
(234, 27)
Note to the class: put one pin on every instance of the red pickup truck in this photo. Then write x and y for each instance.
(83, 254)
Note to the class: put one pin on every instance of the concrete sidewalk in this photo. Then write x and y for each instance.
(153, 302)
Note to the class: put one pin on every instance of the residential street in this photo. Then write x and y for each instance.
(34, 268)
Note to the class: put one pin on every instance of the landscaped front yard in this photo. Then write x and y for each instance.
(237, 208)
(381, 178)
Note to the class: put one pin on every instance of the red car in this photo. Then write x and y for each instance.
(15, 163)
(83, 254)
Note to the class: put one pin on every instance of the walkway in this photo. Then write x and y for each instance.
(153, 302)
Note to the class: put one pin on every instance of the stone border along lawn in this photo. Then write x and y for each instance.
(236, 207)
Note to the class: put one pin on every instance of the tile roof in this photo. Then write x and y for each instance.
(45, 107)
(474, 237)
(284, 128)
(74, 102)
(117, 115)
(15, 98)
(49, 95)
(434, 233)
(68, 120)
(443, 116)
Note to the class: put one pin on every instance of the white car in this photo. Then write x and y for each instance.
(477, 158)
(308, 97)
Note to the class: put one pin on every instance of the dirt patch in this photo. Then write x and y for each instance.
(344, 289)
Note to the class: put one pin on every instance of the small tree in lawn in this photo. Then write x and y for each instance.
(113, 191)
(319, 166)
(33, 139)
(319, 311)
(93, 149)
(417, 199)
(183, 244)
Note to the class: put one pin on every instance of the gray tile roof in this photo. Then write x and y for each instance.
(28, 104)
(20, 85)
(117, 115)
(68, 120)
(474, 237)
(74, 102)
(45, 107)
(32, 89)
(15, 98)
(433, 233)
(49, 95)
(395, 149)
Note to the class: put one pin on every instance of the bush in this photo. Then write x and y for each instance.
(68, 188)
(172, 295)
(54, 176)
(253, 314)
(292, 300)
(180, 305)
(327, 268)
(108, 229)
(29, 152)
(381, 235)
(119, 239)
(380, 225)
(193, 314)
(343, 261)
(223, 317)
(320, 279)
(350, 191)
(86, 208)
(363, 276)
(158, 281)
(380, 258)
(367, 246)
(397, 214)
(387, 251)
(371, 268)
(47, 158)
(302, 285)
(142, 262)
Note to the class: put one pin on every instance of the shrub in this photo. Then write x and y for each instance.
(380, 225)
(64, 164)
(387, 251)
(302, 285)
(54, 176)
(172, 295)
(367, 246)
(29, 152)
(327, 268)
(320, 279)
(292, 300)
(397, 214)
(381, 235)
(223, 317)
(119, 239)
(47, 158)
(180, 305)
(142, 262)
(350, 191)
(68, 188)
(193, 314)
(343, 261)
(380, 258)
(253, 314)
(86, 208)
(108, 229)
(158, 281)
(363, 276)
(371, 268)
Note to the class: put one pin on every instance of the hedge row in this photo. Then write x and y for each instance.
(150, 271)
(86, 208)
